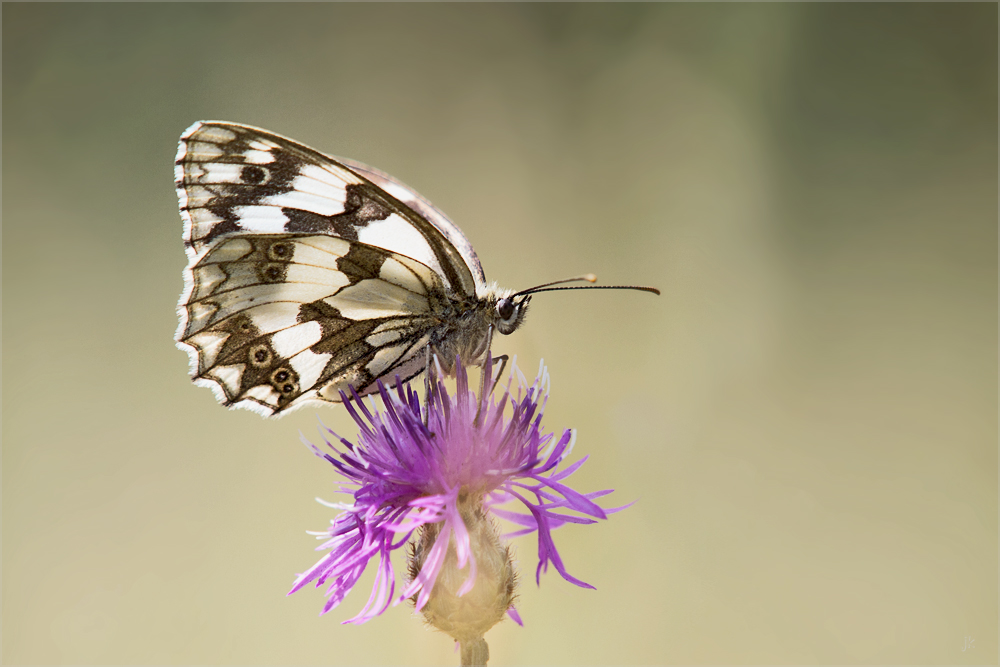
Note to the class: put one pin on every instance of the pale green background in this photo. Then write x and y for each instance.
(808, 415)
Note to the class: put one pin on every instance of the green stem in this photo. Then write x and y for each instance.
(475, 652)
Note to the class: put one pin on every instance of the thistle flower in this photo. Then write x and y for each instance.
(439, 472)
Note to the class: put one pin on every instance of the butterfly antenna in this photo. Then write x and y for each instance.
(633, 287)
(590, 278)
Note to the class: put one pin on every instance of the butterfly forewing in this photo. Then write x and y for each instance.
(234, 178)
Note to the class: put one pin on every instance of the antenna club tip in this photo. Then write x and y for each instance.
(590, 278)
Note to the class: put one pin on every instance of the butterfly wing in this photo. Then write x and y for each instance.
(304, 275)
(276, 321)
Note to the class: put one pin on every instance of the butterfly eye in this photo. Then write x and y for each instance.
(510, 313)
(505, 309)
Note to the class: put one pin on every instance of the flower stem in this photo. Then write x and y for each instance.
(475, 652)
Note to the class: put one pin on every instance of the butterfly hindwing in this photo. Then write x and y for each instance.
(272, 321)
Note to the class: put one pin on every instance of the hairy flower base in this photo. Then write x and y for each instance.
(467, 617)
(439, 470)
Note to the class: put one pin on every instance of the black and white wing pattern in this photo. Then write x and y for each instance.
(308, 274)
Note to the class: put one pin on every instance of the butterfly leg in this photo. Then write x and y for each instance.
(427, 373)
(485, 391)
(503, 358)
(430, 377)
(484, 375)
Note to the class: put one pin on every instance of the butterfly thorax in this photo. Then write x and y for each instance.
(466, 331)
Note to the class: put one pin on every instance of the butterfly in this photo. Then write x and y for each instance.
(309, 274)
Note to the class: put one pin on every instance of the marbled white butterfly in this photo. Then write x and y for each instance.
(308, 274)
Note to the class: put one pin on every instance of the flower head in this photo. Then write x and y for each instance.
(442, 469)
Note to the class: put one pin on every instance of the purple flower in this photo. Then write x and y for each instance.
(442, 469)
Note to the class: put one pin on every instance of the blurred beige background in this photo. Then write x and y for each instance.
(808, 415)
